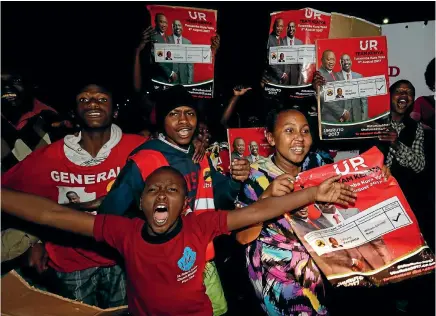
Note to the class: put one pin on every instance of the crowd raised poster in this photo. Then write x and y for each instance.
(291, 52)
(248, 143)
(182, 49)
(354, 103)
(373, 242)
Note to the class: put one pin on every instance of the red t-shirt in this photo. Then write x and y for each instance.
(47, 172)
(165, 278)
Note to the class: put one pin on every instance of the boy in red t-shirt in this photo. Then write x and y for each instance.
(165, 254)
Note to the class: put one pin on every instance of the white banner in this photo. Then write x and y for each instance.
(411, 46)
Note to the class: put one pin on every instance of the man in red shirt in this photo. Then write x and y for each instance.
(86, 165)
(165, 253)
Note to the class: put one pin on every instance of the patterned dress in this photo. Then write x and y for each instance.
(284, 276)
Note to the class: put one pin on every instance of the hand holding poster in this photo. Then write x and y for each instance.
(373, 242)
(354, 103)
(182, 50)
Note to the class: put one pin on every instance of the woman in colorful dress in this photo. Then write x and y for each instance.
(284, 276)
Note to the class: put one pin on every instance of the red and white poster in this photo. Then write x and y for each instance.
(354, 103)
(291, 51)
(182, 49)
(248, 143)
(375, 241)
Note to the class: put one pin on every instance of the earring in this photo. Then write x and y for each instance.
(140, 203)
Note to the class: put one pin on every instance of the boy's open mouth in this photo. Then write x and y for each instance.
(160, 215)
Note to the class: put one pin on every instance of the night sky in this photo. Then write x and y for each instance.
(60, 42)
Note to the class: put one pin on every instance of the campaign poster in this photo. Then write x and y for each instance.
(248, 143)
(354, 103)
(375, 241)
(182, 51)
(291, 51)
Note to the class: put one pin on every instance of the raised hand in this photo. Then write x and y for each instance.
(332, 191)
(239, 91)
(318, 80)
(147, 37)
(281, 185)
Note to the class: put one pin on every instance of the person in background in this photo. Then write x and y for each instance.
(27, 123)
(87, 165)
(406, 137)
(424, 107)
(208, 190)
(238, 91)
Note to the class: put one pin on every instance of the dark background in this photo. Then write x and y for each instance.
(59, 43)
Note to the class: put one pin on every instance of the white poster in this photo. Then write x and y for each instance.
(411, 46)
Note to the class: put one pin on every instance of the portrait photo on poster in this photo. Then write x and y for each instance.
(354, 102)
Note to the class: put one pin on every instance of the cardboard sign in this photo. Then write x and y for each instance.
(21, 299)
(182, 49)
(354, 103)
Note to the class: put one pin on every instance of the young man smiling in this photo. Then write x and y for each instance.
(208, 189)
(86, 165)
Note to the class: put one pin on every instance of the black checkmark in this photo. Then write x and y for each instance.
(398, 216)
(381, 87)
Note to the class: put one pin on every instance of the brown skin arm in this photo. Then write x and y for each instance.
(328, 191)
(43, 211)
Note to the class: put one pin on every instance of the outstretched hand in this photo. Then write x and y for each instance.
(332, 191)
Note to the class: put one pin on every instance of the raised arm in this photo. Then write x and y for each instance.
(147, 36)
(42, 211)
(328, 191)
(237, 93)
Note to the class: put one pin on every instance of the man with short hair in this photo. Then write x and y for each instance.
(87, 165)
(331, 111)
(184, 71)
(293, 70)
(254, 152)
(161, 71)
(357, 108)
(276, 73)
(238, 148)
(73, 197)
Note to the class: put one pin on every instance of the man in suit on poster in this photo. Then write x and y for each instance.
(293, 70)
(276, 73)
(331, 111)
(357, 108)
(254, 152)
(161, 71)
(184, 71)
